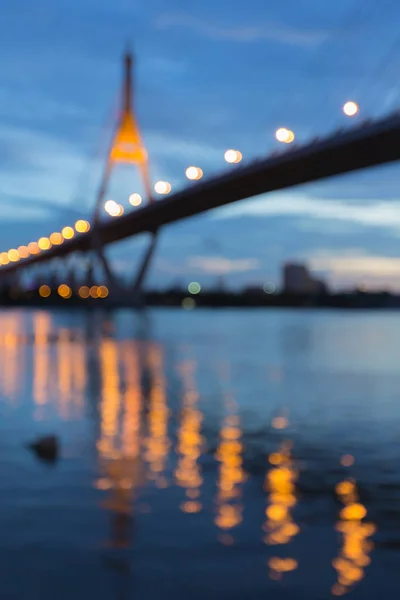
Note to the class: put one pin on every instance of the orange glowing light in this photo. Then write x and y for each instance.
(103, 483)
(275, 458)
(68, 233)
(93, 291)
(44, 243)
(353, 512)
(127, 145)
(33, 248)
(282, 565)
(4, 260)
(346, 489)
(279, 422)
(64, 291)
(23, 251)
(82, 226)
(84, 292)
(56, 238)
(102, 291)
(44, 291)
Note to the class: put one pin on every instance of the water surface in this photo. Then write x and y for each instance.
(205, 454)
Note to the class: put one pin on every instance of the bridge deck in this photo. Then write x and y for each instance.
(358, 148)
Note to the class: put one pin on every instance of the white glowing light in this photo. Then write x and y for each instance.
(194, 287)
(194, 173)
(269, 287)
(233, 156)
(284, 135)
(135, 199)
(162, 187)
(350, 108)
(111, 207)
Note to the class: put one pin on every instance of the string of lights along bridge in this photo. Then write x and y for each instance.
(114, 209)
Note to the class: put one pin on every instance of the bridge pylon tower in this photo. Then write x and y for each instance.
(127, 148)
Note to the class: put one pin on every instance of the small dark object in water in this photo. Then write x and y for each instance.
(46, 448)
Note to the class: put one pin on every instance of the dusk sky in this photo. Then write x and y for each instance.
(209, 76)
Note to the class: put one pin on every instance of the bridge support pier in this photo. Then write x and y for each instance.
(136, 288)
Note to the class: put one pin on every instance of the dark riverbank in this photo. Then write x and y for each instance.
(209, 299)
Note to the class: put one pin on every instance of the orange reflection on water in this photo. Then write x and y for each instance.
(119, 444)
(231, 474)
(356, 547)
(279, 525)
(157, 441)
(190, 442)
(79, 373)
(42, 325)
(64, 356)
(12, 346)
(131, 434)
(110, 398)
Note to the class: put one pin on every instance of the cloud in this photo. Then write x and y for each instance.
(373, 214)
(219, 265)
(349, 265)
(265, 32)
(358, 264)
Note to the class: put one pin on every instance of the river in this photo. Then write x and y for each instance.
(203, 454)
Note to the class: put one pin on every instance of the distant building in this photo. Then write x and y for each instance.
(297, 279)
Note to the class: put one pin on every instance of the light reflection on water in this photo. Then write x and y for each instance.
(170, 457)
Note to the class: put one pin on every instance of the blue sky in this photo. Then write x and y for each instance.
(209, 76)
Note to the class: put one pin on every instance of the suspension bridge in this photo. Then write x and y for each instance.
(365, 145)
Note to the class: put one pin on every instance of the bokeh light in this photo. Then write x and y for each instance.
(93, 291)
(23, 251)
(102, 291)
(135, 199)
(33, 248)
(84, 291)
(347, 460)
(284, 135)
(279, 422)
(111, 207)
(269, 287)
(13, 255)
(44, 291)
(350, 108)
(353, 512)
(68, 233)
(233, 156)
(64, 291)
(44, 243)
(4, 260)
(194, 173)
(188, 303)
(56, 238)
(162, 187)
(194, 287)
(82, 226)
